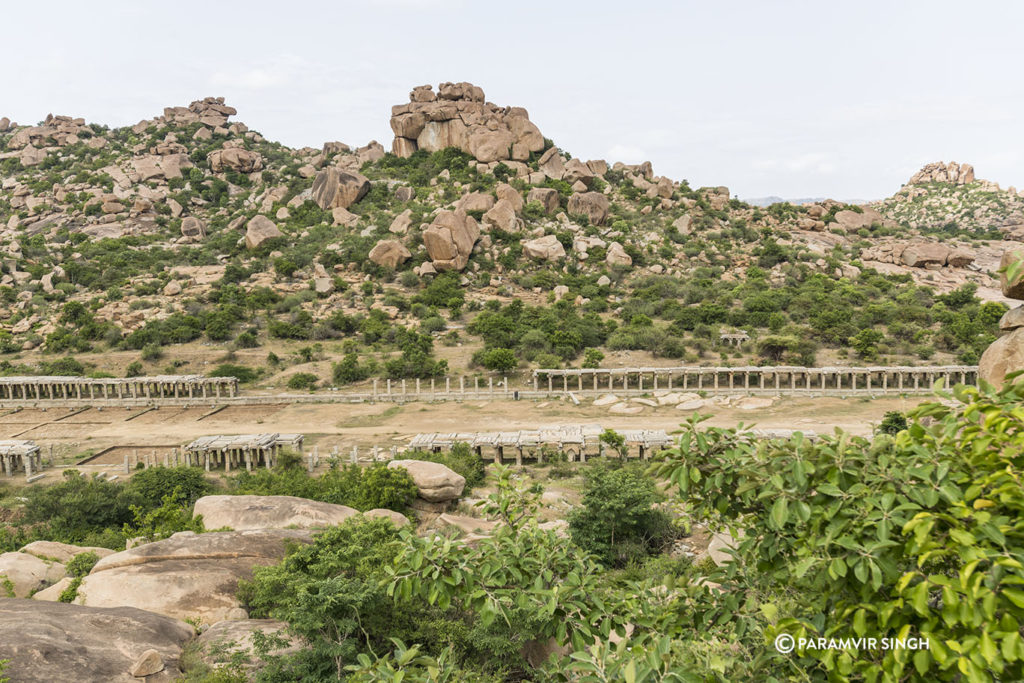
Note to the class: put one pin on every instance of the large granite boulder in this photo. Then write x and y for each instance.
(546, 248)
(21, 574)
(53, 641)
(243, 513)
(450, 238)
(436, 482)
(188, 575)
(547, 197)
(923, 254)
(593, 205)
(389, 253)
(1003, 356)
(334, 188)
(235, 159)
(258, 230)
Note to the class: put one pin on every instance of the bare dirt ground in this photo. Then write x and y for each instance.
(73, 436)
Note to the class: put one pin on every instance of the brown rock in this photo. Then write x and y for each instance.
(506, 192)
(435, 482)
(920, 255)
(959, 258)
(551, 165)
(242, 513)
(401, 224)
(1011, 320)
(475, 201)
(53, 641)
(61, 552)
(617, 256)
(258, 230)
(193, 228)
(22, 573)
(148, 663)
(546, 196)
(405, 193)
(334, 187)
(593, 205)
(503, 216)
(235, 159)
(546, 248)
(389, 253)
(1003, 356)
(450, 238)
(187, 575)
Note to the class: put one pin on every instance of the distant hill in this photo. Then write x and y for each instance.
(768, 201)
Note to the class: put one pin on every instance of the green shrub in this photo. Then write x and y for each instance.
(303, 380)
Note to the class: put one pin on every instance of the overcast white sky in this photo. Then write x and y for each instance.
(796, 99)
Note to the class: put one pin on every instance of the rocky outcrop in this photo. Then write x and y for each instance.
(235, 159)
(62, 552)
(458, 116)
(258, 230)
(243, 513)
(334, 188)
(852, 220)
(924, 254)
(54, 641)
(435, 482)
(940, 172)
(450, 238)
(546, 248)
(188, 575)
(22, 573)
(593, 205)
(389, 253)
(192, 228)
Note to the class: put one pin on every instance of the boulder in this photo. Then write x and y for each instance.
(62, 552)
(334, 187)
(551, 164)
(546, 248)
(53, 593)
(617, 256)
(401, 224)
(606, 400)
(342, 216)
(503, 216)
(1011, 320)
(54, 641)
(1003, 356)
(1013, 289)
(389, 253)
(450, 238)
(683, 224)
(397, 518)
(148, 663)
(547, 197)
(959, 258)
(577, 171)
(717, 549)
(228, 640)
(21, 574)
(593, 205)
(258, 230)
(193, 228)
(405, 193)
(923, 254)
(172, 288)
(507, 193)
(435, 482)
(475, 201)
(235, 159)
(187, 575)
(242, 513)
(852, 220)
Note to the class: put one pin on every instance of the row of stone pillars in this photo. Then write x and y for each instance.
(30, 388)
(418, 388)
(30, 463)
(225, 459)
(733, 379)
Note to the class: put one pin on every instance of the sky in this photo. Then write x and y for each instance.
(792, 99)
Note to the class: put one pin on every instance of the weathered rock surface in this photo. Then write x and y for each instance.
(546, 248)
(617, 256)
(547, 197)
(1014, 288)
(333, 188)
(458, 116)
(193, 228)
(62, 552)
(227, 639)
(242, 513)
(939, 172)
(397, 518)
(53, 641)
(450, 238)
(258, 230)
(187, 575)
(593, 205)
(920, 255)
(1003, 356)
(389, 253)
(235, 159)
(1012, 319)
(436, 482)
(26, 573)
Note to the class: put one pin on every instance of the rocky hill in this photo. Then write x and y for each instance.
(948, 198)
(189, 227)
